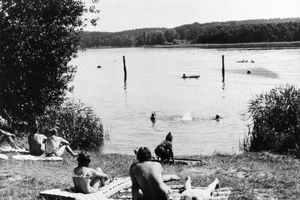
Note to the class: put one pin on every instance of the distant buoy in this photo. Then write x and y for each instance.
(217, 117)
(248, 72)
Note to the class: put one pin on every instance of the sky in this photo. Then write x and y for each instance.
(119, 15)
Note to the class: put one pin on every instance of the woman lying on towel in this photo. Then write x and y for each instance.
(88, 180)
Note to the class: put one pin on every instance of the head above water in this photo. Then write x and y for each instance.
(143, 154)
(83, 159)
(169, 137)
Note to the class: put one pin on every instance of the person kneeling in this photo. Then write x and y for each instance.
(164, 150)
(88, 180)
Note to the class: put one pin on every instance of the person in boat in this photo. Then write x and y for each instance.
(147, 176)
(36, 141)
(153, 117)
(56, 146)
(88, 180)
(184, 76)
(164, 151)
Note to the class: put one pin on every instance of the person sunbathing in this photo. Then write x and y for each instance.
(36, 142)
(164, 150)
(147, 176)
(88, 180)
(196, 193)
(56, 146)
(8, 137)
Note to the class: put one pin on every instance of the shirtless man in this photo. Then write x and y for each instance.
(88, 180)
(36, 142)
(55, 145)
(147, 176)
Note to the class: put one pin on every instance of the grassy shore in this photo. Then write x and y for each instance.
(251, 175)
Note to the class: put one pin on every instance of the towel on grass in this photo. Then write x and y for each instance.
(9, 149)
(3, 157)
(41, 158)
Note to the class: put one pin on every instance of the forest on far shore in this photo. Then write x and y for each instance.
(247, 31)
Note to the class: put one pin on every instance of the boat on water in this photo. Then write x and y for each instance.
(191, 76)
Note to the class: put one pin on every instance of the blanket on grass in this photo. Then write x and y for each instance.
(119, 189)
(3, 157)
(118, 184)
(36, 158)
(9, 149)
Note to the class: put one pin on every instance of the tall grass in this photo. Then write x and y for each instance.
(276, 120)
(75, 122)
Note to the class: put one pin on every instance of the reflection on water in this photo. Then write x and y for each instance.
(187, 108)
(258, 71)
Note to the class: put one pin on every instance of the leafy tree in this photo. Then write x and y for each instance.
(37, 40)
(170, 35)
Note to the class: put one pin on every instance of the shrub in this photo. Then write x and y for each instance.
(276, 120)
(76, 123)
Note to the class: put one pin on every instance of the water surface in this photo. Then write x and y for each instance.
(184, 107)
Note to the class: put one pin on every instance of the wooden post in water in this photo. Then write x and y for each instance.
(223, 69)
(125, 71)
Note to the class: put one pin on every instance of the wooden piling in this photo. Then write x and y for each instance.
(125, 71)
(223, 69)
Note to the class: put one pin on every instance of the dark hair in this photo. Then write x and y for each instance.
(169, 137)
(83, 159)
(32, 125)
(144, 154)
(53, 131)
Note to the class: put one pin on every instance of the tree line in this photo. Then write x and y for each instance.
(272, 30)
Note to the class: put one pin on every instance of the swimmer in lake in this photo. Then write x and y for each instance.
(153, 117)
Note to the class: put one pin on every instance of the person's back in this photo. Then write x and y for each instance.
(52, 144)
(82, 180)
(36, 144)
(148, 175)
(55, 145)
(88, 180)
(164, 150)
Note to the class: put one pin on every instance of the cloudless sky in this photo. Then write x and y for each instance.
(119, 15)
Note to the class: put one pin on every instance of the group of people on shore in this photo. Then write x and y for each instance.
(146, 176)
(39, 144)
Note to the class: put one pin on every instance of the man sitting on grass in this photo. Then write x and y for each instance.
(56, 146)
(88, 180)
(147, 176)
(36, 141)
(164, 150)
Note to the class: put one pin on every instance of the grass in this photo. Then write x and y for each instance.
(251, 175)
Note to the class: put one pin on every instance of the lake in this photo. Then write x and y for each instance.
(186, 107)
